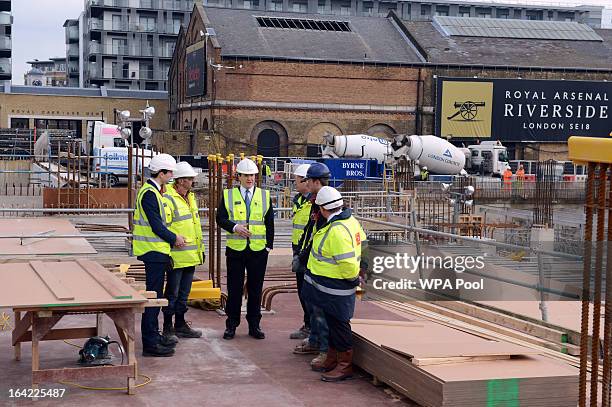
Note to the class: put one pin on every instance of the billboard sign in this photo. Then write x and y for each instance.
(196, 69)
(522, 110)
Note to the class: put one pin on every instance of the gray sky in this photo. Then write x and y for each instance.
(38, 31)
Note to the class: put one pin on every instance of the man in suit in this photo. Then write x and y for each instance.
(247, 215)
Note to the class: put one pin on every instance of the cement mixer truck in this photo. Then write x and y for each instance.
(435, 153)
(438, 155)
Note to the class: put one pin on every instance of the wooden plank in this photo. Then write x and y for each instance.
(63, 333)
(59, 288)
(148, 294)
(29, 291)
(79, 374)
(106, 280)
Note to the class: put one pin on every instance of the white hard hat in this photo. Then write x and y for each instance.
(184, 170)
(425, 168)
(162, 162)
(329, 198)
(301, 170)
(247, 166)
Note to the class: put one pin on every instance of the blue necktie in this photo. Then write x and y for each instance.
(247, 201)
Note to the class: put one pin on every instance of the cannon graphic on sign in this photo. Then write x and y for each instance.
(468, 110)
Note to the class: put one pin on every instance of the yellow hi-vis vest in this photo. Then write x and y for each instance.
(301, 214)
(236, 209)
(336, 250)
(184, 220)
(143, 238)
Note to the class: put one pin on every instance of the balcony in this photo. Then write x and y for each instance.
(150, 4)
(72, 50)
(95, 48)
(72, 34)
(146, 74)
(176, 5)
(5, 68)
(95, 24)
(109, 3)
(6, 18)
(5, 42)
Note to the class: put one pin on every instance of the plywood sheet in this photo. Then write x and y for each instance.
(456, 349)
(29, 227)
(22, 287)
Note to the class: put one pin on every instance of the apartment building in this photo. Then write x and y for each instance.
(124, 44)
(6, 21)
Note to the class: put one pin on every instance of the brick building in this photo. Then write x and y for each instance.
(273, 83)
(276, 91)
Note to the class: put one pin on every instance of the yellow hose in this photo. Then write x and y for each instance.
(80, 386)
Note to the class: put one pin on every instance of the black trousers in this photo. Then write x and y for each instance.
(299, 278)
(340, 335)
(178, 286)
(255, 264)
(149, 325)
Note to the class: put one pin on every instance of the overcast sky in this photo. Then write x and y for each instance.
(38, 31)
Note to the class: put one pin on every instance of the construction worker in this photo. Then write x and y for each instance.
(151, 243)
(332, 279)
(301, 214)
(507, 176)
(267, 172)
(184, 219)
(247, 215)
(424, 174)
(317, 177)
(520, 175)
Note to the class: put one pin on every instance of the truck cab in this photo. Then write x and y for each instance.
(488, 157)
(110, 153)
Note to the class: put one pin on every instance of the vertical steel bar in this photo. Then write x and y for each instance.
(211, 217)
(218, 231)
(586, 286)
(607, 367)
(601, 213)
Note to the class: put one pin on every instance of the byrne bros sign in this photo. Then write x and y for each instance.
(522, 110)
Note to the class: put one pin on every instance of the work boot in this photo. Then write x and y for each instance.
(326, 361)
(183, 330)
(256, 333)
(343, 370)
(158, 350)
(301, 333)
(306, 348)
(169, 337)
(229, 333)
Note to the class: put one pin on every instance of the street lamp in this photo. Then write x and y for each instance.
(457, 199)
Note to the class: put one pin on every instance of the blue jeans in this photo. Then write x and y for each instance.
(319, 332)
(149, 325)
(178, 286)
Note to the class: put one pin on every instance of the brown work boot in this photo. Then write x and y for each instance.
(325, 361)
(343, 369)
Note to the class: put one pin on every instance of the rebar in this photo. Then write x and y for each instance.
(586, 287)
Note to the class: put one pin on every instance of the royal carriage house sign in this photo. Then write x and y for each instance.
(522, 110)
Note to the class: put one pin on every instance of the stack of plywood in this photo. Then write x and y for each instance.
(438, 366)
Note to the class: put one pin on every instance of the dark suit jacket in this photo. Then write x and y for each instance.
(151, 209)
(225, 223)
